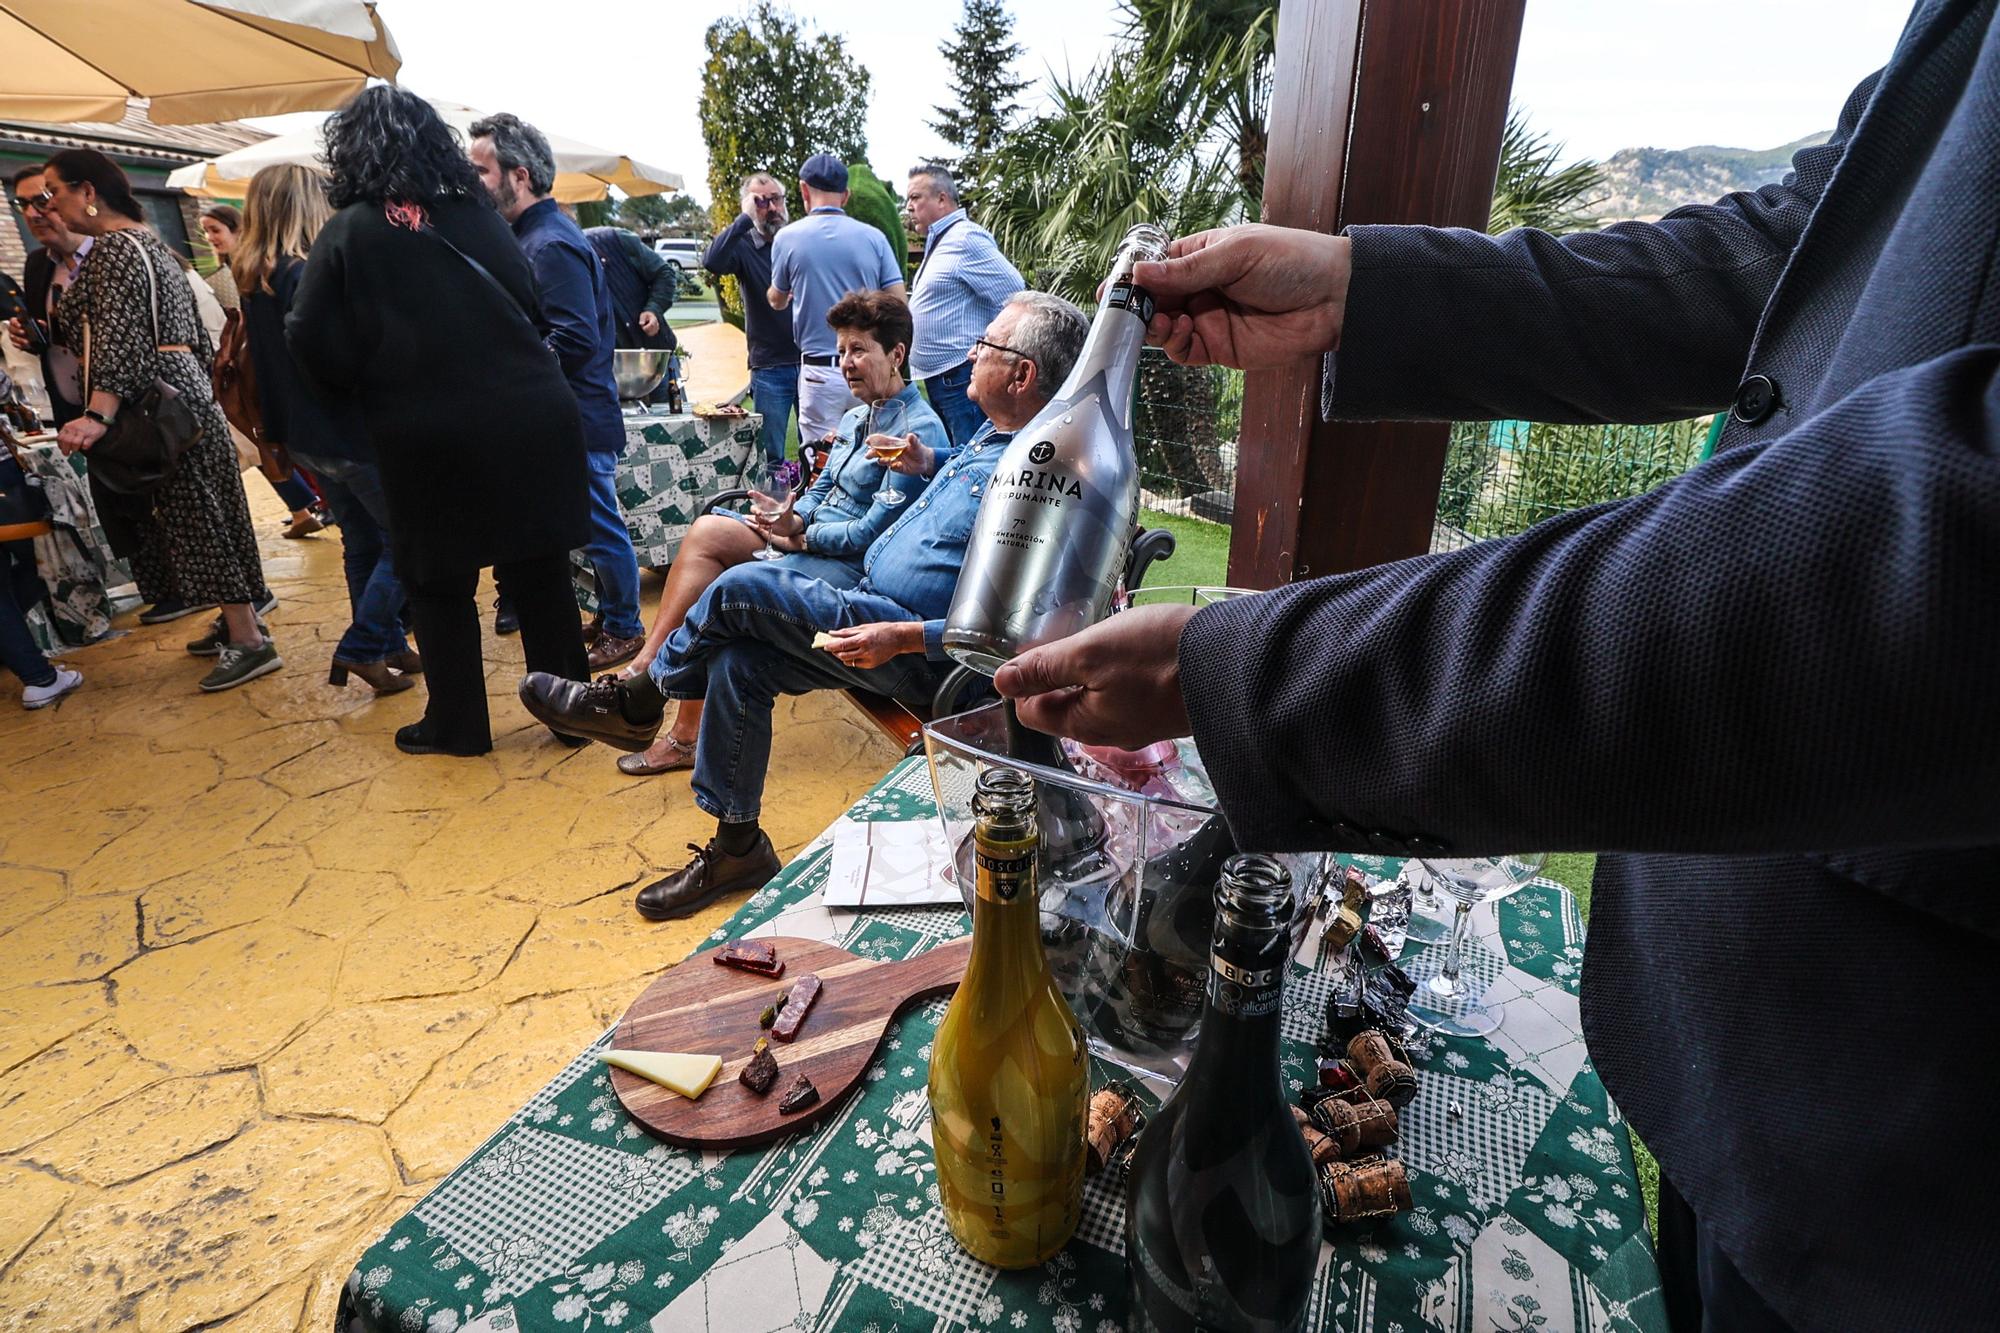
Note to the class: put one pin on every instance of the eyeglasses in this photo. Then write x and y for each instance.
(999, 347)
(768, 200)
(38, 203)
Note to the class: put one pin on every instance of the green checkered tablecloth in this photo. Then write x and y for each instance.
(572, 1217)
(673, 465)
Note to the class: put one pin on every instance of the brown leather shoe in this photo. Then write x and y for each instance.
(410, 662)
(712, 873)
(608, 650)
(305, 525)
(594, 709)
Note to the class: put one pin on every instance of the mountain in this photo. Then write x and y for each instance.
(1643, 183)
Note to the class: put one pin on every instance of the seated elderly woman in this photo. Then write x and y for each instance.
(753, 635)
(825, 532)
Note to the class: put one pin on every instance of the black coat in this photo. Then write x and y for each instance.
(473, 425)
(1768, 685)
(319, 424)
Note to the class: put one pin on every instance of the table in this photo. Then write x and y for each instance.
(572, 1217)
(75, 561)
(673, 465)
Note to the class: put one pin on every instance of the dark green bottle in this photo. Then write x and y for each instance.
(1222, 1221)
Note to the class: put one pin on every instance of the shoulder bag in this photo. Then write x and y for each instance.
(143, 445)
(234, 377)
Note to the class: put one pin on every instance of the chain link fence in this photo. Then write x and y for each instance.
(1500, 477)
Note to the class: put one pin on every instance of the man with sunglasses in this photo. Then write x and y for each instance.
(48, 272)
(743, 252)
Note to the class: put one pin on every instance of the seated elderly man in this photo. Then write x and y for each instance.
(829, 529)
(749, 638)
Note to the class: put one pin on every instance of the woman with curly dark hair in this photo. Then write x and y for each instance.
(416, 302)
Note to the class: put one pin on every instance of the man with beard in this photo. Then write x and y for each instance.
(519, 170)
(743, 252)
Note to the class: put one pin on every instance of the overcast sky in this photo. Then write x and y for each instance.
(1599, 75)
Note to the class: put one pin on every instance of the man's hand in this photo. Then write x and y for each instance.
(1250, 297)
(1116, 683)
(649, 323)
(866, 646)
(17, 333)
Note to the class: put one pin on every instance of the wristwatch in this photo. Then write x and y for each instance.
(92, 414)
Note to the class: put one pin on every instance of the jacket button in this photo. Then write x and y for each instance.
(1388, 844)
(1756, 399)
(1346, 832)
(1427, 847)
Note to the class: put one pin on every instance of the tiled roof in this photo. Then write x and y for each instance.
(136, 134)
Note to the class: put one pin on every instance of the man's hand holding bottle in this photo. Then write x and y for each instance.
(1251, 297)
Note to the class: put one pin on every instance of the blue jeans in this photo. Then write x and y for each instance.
(610, 551)
(775, 391)
(294, 491)
(353, 492)
(961, 416)
(20, 588)
(747, 641)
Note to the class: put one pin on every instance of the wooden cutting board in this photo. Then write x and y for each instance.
(701, 1008)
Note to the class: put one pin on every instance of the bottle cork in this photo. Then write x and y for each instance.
(1114, 1115)
(1318, 1143)
(1356, 1126)
(1388, 1078)
(1371, 1187)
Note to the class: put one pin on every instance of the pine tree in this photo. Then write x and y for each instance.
(980, 58)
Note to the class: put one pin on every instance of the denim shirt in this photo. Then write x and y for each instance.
(843, 512)
(916, 562)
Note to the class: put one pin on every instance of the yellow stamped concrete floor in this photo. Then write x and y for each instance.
(264, 980)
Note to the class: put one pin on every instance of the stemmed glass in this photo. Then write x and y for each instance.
(1429, 907)
(1442, 1001)
(886, 442)
(768, 551)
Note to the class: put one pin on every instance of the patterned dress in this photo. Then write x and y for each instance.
(192, 540)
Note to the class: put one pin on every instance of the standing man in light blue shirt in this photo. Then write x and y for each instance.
(961, 285)
(814, 262)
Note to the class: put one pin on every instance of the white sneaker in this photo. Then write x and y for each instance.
(41, 696)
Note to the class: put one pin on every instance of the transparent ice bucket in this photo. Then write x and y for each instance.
(1132, 845)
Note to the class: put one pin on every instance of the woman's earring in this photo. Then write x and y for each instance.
(90, 210)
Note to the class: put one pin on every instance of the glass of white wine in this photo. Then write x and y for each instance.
(886, 443)
(768, 551)
(1443, 1001)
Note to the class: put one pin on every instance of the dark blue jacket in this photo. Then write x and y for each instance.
(577, 318)
(736, 253)
(1768, 686)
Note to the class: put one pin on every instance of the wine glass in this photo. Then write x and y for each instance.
(1431, 910)
(1442, 1001)
(768, 551)
(886, 442)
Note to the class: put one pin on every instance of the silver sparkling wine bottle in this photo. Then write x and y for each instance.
(1050, 543)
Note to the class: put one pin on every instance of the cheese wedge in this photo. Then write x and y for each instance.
(822, 639)
(689, 1075)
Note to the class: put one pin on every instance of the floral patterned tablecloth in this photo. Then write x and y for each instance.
(573, 1217)
(673, 465)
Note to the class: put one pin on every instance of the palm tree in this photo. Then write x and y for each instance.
(1532, 190)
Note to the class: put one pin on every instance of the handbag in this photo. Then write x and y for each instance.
(234, 377)
(143, 445)
(24, 508)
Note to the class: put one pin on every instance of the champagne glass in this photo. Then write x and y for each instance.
(1431, 911)
(768, 551)
(886, 442)
(1443, 1002)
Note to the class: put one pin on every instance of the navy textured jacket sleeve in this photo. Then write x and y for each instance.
(1638, 322)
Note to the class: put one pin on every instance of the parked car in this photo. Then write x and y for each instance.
(682, 253)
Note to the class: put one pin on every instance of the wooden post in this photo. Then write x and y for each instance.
(1381, 111)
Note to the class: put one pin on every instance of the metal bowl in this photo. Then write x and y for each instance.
(638, 371)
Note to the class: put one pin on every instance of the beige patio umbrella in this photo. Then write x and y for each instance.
(583, 172)
(195, 60)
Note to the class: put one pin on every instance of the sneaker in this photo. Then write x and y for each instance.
(159, 613)
(236, 664)
(210, 644)
(41, 696)
(268, 605)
